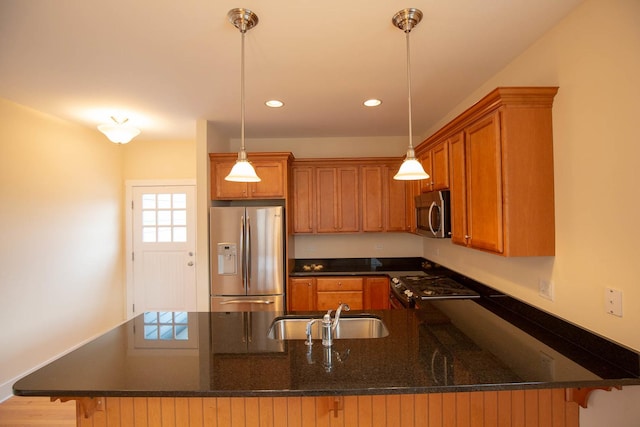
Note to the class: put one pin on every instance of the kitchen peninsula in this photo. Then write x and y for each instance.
(452, 361)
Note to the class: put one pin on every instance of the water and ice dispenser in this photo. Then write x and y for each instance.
(227, 258)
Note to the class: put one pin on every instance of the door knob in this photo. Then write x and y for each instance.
(190, 263)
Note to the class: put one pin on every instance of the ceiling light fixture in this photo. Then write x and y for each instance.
(242, 171)
(372, 102)
(118, 131)
(411, 169)
(274, 103)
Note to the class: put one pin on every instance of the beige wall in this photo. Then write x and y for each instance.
(159, 160)
(61, 268)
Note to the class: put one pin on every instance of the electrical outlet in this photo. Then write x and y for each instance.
(545, 289)
(613, 301)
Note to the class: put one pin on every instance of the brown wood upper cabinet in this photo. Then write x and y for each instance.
(343, 196)
(384, 205)
(502, 196)
(435, 162)
(272, 168)
(337, 199)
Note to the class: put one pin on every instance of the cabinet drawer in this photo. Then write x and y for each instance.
(331, 300)
(339, 284)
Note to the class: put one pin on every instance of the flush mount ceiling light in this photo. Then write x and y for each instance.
(372, 102)
(411, 169)
(118, 131)
(274, 103)
(242, 171)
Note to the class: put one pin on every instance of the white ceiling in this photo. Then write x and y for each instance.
(167, 63)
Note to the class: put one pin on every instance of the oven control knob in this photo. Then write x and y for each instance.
(395, 280)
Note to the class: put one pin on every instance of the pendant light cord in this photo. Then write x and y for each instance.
(243, 30)
(409, 87)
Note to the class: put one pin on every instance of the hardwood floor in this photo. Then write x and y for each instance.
(36, 411)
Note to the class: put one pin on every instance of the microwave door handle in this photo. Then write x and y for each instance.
(433, 204)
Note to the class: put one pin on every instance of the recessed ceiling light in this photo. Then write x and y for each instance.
(274, 103)
(372, 102)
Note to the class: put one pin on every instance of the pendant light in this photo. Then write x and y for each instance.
(242, 171)
(411, 169)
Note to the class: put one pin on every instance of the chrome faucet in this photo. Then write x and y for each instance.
(329, 327)
(310, 323)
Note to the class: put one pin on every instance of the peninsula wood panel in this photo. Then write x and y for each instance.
(530, 408)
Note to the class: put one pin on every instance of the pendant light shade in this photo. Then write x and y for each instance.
(118, 131)
(411, 169)
(242, 171)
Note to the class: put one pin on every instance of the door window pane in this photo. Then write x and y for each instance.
(179, 234)
(164, 201)
(148, 201)
(180, 201)
(148, 234)
(164, 234)
(148, 218)
(179, 217)
(164, 217)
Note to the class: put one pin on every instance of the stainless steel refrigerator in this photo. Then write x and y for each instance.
(247, 258)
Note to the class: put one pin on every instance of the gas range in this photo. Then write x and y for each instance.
(409, 289)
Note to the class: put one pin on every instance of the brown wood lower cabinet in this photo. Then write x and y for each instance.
(539, 408)
(332, 292)
(325, 293)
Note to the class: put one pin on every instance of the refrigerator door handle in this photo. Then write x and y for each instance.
(243, 254)
(246, 301)
(248, 252)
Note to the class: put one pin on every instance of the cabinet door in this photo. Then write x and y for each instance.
(396, 201)
(349, 200)
(484, 184)
(376, 293)
(331, 300)
(226, 189)
(333, 291)
(458, 191)
(302, 294)
(373, 197)
(337, 199)
(303, 206)
(326, 200)
(440, 166)
(272, 184)
(425, 161)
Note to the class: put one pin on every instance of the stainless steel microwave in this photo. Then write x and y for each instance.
(433, 214)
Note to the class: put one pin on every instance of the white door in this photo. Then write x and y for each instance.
(164, 240)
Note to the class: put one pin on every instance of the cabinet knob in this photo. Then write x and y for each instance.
(466, 236)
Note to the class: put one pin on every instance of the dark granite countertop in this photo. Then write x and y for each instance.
(449, 345)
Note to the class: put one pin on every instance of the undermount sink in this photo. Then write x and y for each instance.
(294, 327)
